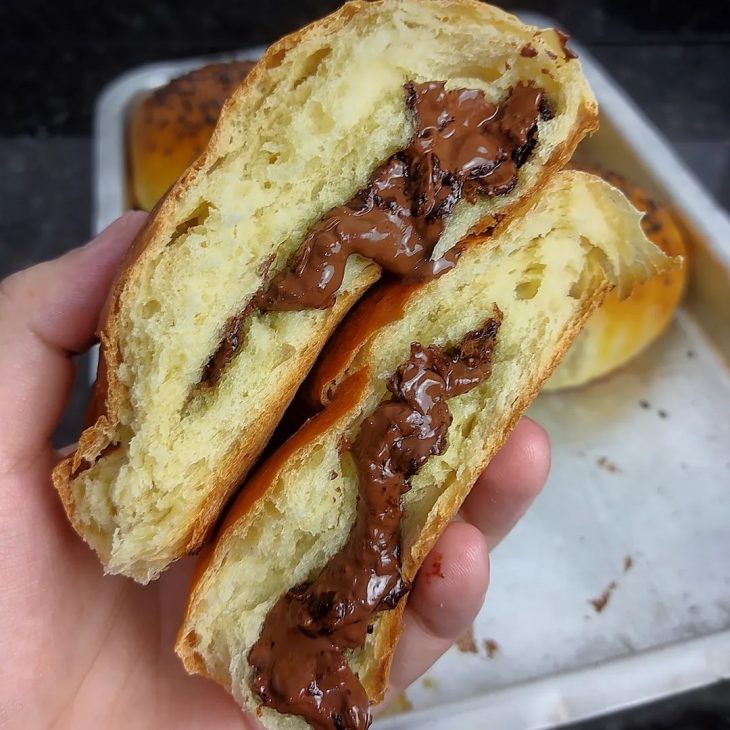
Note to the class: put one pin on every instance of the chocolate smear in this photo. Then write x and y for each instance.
(299, 663)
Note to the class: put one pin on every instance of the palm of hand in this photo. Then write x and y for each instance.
(92, 650)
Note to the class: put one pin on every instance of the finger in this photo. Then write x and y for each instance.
(48, 313)
(510, 483)
(174, 585)
(447, 595)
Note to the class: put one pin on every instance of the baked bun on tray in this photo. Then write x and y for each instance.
(202, 347)
(292, 544)
(169, 127)
(622, 328)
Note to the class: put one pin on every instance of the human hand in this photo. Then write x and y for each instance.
(83, 650)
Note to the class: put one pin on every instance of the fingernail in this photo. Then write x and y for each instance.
(133, 219)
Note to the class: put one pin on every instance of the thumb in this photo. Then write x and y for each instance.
(48, 313)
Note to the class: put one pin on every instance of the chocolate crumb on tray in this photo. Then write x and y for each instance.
(602, 601)
(609, 466)
(466, 643)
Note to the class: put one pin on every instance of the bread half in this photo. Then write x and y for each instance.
(543, 273)
(302, 134)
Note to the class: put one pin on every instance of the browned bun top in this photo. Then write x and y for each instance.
(170, 127)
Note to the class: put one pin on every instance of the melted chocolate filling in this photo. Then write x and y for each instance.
(298, 662)
(463, 147)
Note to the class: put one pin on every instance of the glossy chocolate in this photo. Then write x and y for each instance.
(298, 662)
(463, 147)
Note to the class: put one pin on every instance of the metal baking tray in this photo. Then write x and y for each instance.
(637, 507)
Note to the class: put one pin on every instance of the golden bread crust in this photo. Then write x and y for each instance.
(169, 127)
(109, 393)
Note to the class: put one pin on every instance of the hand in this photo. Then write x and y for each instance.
(84, 650)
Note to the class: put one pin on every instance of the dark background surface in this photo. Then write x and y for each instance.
(673, 58)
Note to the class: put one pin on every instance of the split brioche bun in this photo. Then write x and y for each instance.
(546, 271)
(302, 134)
(622, 328)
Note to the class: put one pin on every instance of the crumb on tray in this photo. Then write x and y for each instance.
(491, 647)
(466, 643)
(601, 602)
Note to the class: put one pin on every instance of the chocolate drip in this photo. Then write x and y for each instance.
(298, 662)
(463, 147)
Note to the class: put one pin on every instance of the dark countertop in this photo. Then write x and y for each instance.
(673, 58)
